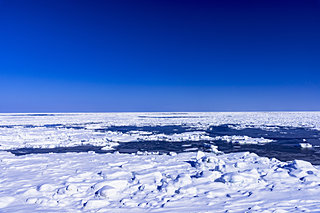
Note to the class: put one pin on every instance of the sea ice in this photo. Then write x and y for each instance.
(194, 182)
(149, 181)
(305, 145)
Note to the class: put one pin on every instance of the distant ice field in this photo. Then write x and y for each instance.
(282, 135)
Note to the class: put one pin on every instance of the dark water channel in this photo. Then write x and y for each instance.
(285, 146)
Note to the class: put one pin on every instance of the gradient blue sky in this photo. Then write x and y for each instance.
(116, 55)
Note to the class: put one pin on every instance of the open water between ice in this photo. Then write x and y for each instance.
(285, 146)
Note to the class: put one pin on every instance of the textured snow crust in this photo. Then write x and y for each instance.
(185, 182)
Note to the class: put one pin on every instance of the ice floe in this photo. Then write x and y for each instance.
(305, 145)
(243, 139)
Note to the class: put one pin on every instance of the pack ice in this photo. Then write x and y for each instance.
(148, 182)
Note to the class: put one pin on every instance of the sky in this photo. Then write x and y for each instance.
(157, 55)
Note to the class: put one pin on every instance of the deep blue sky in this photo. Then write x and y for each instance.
(73, 56)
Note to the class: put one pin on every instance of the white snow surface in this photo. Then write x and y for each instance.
(186, 182)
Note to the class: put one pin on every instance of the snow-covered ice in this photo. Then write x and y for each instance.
(243, 139)
(151, 182)
(305, 145)
(186, 182)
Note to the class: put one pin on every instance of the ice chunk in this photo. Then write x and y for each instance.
(305, 145)
(301, 164)
(108, 192)
(200, 155)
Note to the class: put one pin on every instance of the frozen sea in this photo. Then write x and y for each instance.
(160, 162)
